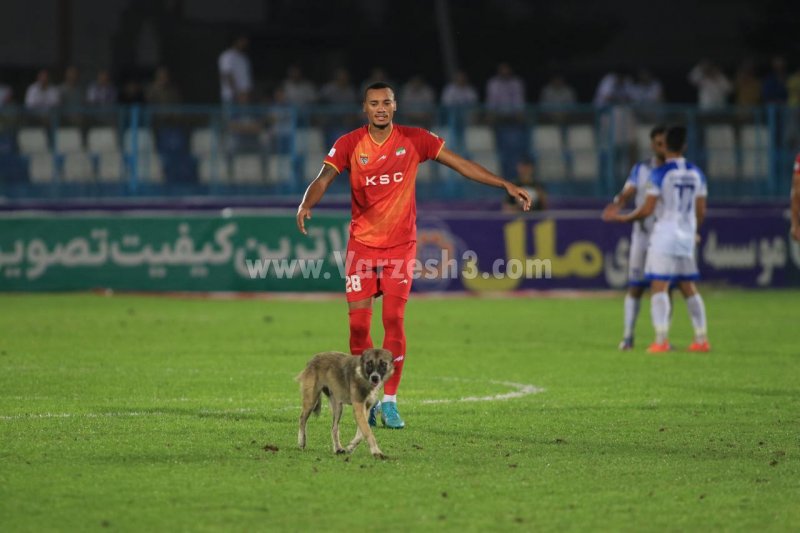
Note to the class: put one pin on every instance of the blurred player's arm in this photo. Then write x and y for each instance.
(314, 193)
(475, 172)
(611, 212)
(625, 195)
(796, 205)
(700, 210)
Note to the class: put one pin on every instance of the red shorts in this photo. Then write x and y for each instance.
(376, 271)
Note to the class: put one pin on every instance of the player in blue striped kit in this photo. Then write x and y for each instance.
(677, 195)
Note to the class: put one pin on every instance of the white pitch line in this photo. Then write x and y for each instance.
(521, 391)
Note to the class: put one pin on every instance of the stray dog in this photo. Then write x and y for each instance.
(344, 379)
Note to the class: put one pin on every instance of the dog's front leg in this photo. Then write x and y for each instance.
(336, 409)
(356, 441)
(360, 412)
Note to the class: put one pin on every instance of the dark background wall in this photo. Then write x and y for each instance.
(574, 37)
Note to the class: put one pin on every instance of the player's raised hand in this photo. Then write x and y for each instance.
(519, 194)
(303, 213)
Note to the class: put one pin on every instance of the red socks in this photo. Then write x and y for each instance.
(360, 340)
(394, 338)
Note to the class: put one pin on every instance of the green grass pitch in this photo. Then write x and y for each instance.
(137, 413)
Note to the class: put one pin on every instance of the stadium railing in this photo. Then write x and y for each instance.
(579, 151)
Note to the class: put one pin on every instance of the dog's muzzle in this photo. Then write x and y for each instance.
(375, 379)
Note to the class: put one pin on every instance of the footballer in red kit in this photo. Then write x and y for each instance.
(382, 159)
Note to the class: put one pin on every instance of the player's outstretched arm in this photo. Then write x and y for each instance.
(475, 172)
(314, 193)
(611, 212)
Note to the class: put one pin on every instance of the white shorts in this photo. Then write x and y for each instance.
(664, 267)
(636, 259)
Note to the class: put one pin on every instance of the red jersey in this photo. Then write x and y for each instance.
(382, 180)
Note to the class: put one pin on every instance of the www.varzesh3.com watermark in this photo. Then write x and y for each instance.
(432, 268)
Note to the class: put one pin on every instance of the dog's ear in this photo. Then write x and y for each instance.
(386, 353)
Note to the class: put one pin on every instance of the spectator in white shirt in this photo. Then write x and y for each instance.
(298, 90)
(101, 92)
(557, 92)
(339, 90)
(41, 96)
(713, 87)
(459, 92)
(646, 89)
(235, 72)
(505, 92)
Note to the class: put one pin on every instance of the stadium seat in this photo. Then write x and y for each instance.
(550, 166)
(179, 168)
(148, 167)
(720, 137)
(32, 141)
(144, 140)
(42, 167)
(68, 140)
(248, 169)
(280, 169)
(720, 143)
(102, 139)
(546, 139)
(754, 149)
(585, 165)
(312, 163)
(205, 141)
(214, 170)
(487, 159)
(479, 139)
(13, 168)
(310, 140)
(581, 138)
(172, 141)
(7, 144)
(78, 168)
(110, 167)
(643, 141)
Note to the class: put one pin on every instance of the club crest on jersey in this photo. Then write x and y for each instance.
(364, 158)
(400, 151)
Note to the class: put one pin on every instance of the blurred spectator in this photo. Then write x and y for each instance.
(505, 92)
(71, 92)
(101, 91)
(339, 90)
(244, 126)
(161, 91)
(557, 92)
(459, 92)
(613, 89)
(235, 73)
(646, 89)
(713, 87)
(748, 86)
(132, 93)
(416, 100)
(526, 178)
(297, 89)
(774, 88)
(793, 88)
(41, 96)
